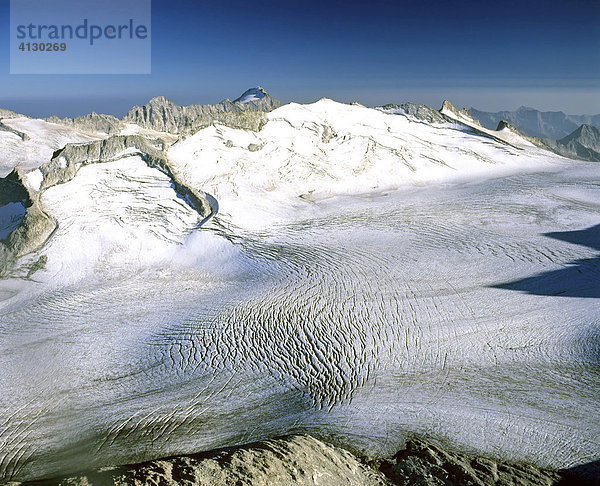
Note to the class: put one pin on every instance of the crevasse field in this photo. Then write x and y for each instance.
(367, 276)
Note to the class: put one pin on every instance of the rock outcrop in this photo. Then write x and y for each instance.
(8, 114)
(163, 115)
(418, 111)
(92, 122)
(304, 460)
(6, 128)
(36, 226)
(65, 163)
(455, 114)
(32, 231)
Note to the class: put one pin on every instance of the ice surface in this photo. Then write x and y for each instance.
(367, 276)
(44, 139)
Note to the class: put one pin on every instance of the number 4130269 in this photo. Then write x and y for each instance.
(42, 46)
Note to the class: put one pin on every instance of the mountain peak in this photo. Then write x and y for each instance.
(585, 133)
(462, 115)
(159, 100)
(448, 106)
(252, 94)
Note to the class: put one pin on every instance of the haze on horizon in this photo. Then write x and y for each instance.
(542, 54)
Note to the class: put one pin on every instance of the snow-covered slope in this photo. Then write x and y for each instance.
(505, 132)
(327, 149)
(365, 276)
(43, 138)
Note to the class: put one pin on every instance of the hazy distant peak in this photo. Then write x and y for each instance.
(252, 94)
(585, 134)
(583, 143)
(534, 123)
(526, 108)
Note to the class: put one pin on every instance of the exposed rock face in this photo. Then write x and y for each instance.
(463, 113)
(505, 125)
(33, 230)
(65, 163)
(36, 226)
(298, 460)
(305, 460)
(91, 123)
(421, 112)
(6, 128)
(534, 123)
(424, 464)
(163, 115)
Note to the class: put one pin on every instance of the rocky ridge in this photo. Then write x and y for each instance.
(92, 122)
(304, 460)
(162, 115)
(5, 128)
(36, 226)
(415, 110)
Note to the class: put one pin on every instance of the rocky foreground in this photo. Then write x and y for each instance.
(304, 460)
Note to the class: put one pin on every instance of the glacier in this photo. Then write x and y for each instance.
(364, 276)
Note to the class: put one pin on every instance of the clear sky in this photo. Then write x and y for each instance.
(490, 55)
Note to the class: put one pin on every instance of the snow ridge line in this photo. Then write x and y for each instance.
(37, 226)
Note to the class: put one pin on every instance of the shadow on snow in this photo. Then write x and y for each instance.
(580, 278)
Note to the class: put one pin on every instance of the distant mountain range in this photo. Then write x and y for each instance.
(574, 136)
(535, 123)
(163, 115)
(583, 143)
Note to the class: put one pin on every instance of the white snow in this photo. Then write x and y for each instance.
(505, 134)
(114, 217)
(45, 139)
(327, 149)
(367, 277)
(34, 179)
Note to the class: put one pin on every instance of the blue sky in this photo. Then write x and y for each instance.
(490, 55)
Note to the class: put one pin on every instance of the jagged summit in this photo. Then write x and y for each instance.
(163, 115)
(447, 105)
(450, 110)
(252, 94)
